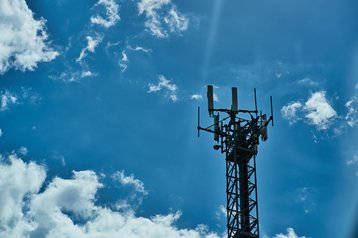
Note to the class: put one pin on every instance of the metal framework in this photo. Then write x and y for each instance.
(237, 135)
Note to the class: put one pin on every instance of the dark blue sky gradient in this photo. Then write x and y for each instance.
(109, 122)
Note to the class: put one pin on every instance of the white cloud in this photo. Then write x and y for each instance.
(112, 16)
(353, 161)
(60, 158)
(289, 112)
(130, 180)
(123, 63)
(176, 21)
(23, 41)
(86, 73)
(28, 212)
(306, 197)
(316, 110)
(140, 48)
(7, 98)
(221, 212)
(28, 95)
(1, 133)
(290, 234)
(73, 76)
(91, 46)
(307, 81)
(162, 17)
(165, 85)
(352, 114)
(18, 180)
(356, 86)
(23, 150)
(196, 96)
(319, 111)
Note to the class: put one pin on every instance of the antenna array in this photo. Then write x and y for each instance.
(237, 136)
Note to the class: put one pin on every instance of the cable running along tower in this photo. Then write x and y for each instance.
(237, 136)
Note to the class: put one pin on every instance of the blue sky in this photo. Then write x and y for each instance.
(98, 115)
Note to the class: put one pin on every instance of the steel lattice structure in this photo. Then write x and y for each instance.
(238, 138)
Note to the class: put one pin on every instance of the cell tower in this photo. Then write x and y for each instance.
(237, 135)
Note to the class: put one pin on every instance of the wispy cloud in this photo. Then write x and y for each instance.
(7, 99)
(353, 162)
(111, 12)
(123, 63)
(23, 150)
(307, 81)
(352, 114)
(165, 85)
(196, 97)
(162, 17)
(30, 206)
(306, 197)
(289, 112)
(130, 180)
(92, 43)
(24, 40)
(140, 48)
(73, 76)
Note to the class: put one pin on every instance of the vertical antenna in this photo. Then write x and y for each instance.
(234, 106)
(255, 100)
(198, 121)
(210, 95)
(271, 110)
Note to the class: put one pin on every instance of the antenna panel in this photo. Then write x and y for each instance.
(234, 105)
(210, 95)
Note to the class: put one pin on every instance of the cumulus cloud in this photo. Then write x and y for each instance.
(316, 110)
(7, 99)
(24, 40)
(92, 43)
(289, 112)
(319, 111)
(162, 17)
(166, 86)
(68, 208)
(112, 16)
(352, 114)
(18, 181)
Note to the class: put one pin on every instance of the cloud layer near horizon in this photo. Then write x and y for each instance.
(67, 208)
